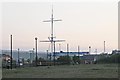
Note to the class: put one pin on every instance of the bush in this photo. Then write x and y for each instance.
(114, 58)
(64, 60)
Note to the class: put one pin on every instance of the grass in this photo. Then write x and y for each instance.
(64, 71)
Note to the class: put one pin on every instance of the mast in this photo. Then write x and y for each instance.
(51, 38)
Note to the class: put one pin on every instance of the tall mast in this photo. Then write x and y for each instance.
(52, 25)
(51, 38)
(52, 31)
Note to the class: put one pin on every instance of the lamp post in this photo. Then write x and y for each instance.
(18, 58)
(67, 49)
(68, 54)
(89, 49)
(104, 47)
(78, 50)
(11, 51)
(47, 54)
(96, 51)
(36, 49)
(33, 53)
(30, 57)
(59, 47)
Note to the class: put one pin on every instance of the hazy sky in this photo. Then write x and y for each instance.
(83, 23)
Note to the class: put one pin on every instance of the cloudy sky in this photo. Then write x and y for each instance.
(84, 23)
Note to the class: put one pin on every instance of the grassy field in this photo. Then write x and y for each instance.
(65, 71)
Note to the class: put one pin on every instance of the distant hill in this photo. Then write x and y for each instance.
(24, 54)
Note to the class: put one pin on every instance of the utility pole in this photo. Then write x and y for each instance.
(11, 52)
(36, 50)
(18, 58)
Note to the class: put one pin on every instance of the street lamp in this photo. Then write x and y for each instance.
(18, 58)
(36, 49)
(89, 49)
(11, 52)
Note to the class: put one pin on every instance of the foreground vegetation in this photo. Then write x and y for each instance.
(64, 71)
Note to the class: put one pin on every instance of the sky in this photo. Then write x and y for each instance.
(84, 23)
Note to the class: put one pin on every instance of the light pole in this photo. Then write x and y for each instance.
(67, 49)
(89, 49)
(47, 54)
(11, 51)
(78, 50)
(30, 58)
(18, 58)
(68, 54)
(104, 47)
(59, 47)
(36, 50)
(33, 53)
(96, 51)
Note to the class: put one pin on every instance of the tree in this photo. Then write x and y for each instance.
(114, 58)
(76, 59)
(64, 59)
(41, 60)
(28, 60)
